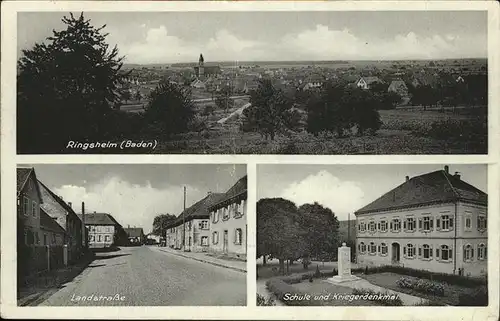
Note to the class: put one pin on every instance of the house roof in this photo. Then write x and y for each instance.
(22, 176)
(431, 188)
(53, 203)
(240, 188)
(99, 219)
(47, 223)
(134, 231)
(371, 79)
(197, 210)
(395, 84)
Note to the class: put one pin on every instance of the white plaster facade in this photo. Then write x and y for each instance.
(446, 238)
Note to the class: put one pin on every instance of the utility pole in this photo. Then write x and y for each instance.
(348, 227)
(184, 222)
(84, 228)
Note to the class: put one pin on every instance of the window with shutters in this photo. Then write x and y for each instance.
(362, 227)
(26, 204)
(225, 214)
(445, 253)
(204, 241)
(383, 226)
(203, 225)
(481, 252)
(383, 249)
(426, 223)
(215, 216)
(446, 222)
(481, 222)
(372, 227)
(468, 221)
(33, 208)
(372, 248)
(215, 237)
(362, 248)
(395, 225)
(238, 236)
(426, 252)
(410, 251)
(468, 253)
(410, 224)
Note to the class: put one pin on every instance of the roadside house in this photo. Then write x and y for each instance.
(63, 214)
(228, 223)
(191, 230)
(135, 235)
(103, 230)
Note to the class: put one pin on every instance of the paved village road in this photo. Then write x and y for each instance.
(145, 277)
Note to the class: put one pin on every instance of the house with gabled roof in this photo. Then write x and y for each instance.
(190, 230)
(228, 224)
(29, 199)
(135, 235)
(63, 214)
(435, 222)
(366, 82)
(103, 230)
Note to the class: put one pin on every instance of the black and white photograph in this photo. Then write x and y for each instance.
(258, 82)
(131, 235)
(372, 235)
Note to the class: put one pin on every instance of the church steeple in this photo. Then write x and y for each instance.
(201, 70)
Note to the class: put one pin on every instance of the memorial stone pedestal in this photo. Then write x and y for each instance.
(344, 266)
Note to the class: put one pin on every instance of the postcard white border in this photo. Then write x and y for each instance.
(9, 160)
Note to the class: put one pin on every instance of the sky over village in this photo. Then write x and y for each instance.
(347, 188)
(134, 194)
(162, 37)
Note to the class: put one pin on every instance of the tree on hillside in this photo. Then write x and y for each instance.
(363, 105)
(223, 99)
(271, 111)
(425, 96)
(170, 110)
(66, 87)
(279, 234)
(320, 230)
(327, 113)
(138, 96)
(126, 95)
(161, 222)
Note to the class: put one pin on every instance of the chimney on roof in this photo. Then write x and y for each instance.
(447, 169)
(407, 178)
(95, 212)
(457, 175)
(209, 192)
(70, 205)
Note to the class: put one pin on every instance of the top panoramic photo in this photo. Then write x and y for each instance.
(259, 82)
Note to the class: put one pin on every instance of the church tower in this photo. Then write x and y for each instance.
(201, 68)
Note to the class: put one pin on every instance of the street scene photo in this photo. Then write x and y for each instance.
(372, 235)
(131, 235)
(258, 82)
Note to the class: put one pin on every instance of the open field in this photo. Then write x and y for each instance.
(398, 135)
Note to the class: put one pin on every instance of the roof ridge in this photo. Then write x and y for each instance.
(451, 185)
(26, 179)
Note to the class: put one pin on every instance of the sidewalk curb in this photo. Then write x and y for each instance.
(205, 261)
